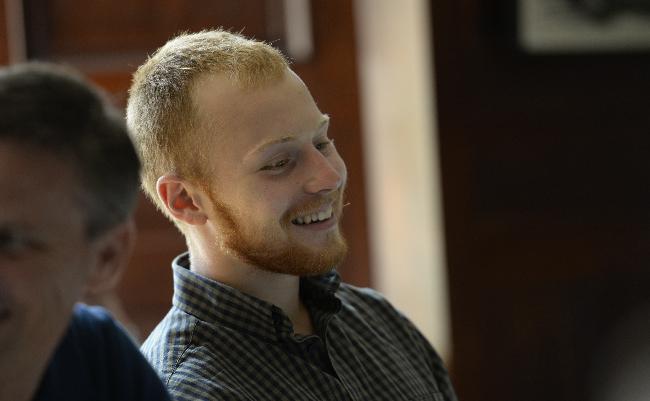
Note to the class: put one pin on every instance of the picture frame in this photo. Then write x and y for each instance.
(583, 26)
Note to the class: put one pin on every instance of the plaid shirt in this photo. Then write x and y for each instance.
(217, 343)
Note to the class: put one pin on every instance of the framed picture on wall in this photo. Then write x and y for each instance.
(579, 26)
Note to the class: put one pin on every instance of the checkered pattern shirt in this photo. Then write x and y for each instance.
(217, 343)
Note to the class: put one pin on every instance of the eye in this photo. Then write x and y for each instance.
(12, 242)
(324, 145)
(276, 165)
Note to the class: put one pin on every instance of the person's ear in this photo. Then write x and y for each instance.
(111, 253)
(180, 200)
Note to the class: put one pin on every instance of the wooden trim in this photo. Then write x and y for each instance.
(14, 27)
(4, 45)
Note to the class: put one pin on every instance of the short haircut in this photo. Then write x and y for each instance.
(161, 114)
(53, 109)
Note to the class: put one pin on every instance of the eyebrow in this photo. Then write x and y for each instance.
(260, 149)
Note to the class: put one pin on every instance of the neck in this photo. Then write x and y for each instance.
(281, 290)
(21, 369)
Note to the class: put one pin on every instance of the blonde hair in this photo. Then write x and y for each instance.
(161, 114)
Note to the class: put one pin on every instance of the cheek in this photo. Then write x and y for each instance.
(269, 203)
(41, 287)
(16, 284)
(70, 277)
(68, 272)
(339, 166)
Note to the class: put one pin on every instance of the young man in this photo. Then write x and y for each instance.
(236, 153)
(69, 179)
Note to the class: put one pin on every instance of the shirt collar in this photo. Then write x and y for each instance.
(219, 304)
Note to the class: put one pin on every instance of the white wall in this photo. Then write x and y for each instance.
(405, 218)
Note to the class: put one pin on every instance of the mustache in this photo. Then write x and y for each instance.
(334, 198)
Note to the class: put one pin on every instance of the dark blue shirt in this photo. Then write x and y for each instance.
(97, 361)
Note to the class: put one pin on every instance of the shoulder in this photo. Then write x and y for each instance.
(364, 296)
(375, 319)
(113, 354)
(172, 342)
(369, 313)
(189, 356)
(91, 318)
(94, 327)
(369, 304)
(373, 307)
(96, 359)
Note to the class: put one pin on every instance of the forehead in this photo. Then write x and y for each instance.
(242, 118)
(35, 185)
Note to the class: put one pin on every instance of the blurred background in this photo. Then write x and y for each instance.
(498, 162)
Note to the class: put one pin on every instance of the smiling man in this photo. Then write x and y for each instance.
(69, 179)
(237, 154)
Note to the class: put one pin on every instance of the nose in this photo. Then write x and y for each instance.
(323, 174)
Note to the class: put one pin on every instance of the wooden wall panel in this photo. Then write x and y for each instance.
(4, 48)
(545, 180)
(85, 31)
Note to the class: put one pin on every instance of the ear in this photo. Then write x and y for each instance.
(180, 200)
(111, 253)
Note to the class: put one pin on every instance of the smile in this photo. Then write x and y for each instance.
(314, 217)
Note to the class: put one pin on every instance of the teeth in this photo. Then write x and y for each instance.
(314, 217)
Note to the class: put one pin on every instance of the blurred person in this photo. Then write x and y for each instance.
(237, 154)
(69, 179)
(622, 361)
